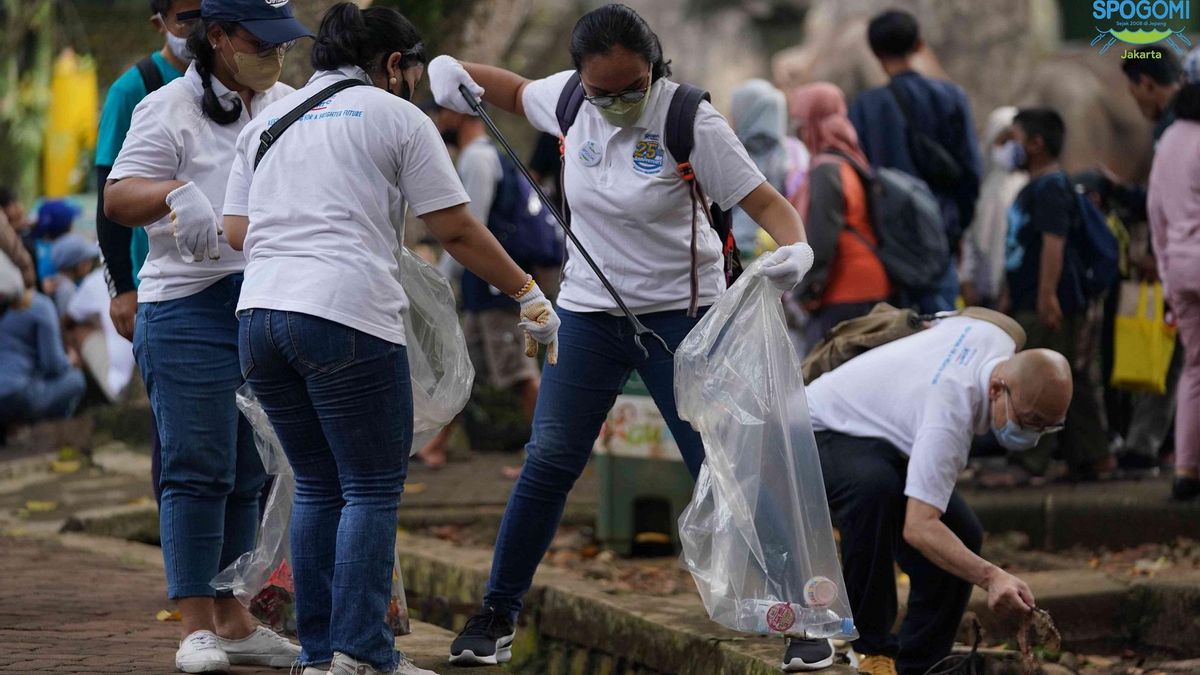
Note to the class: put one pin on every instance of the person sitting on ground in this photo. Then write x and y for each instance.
(1047, 296)
(55, 218)
(74, 258)
(37, 379)
(891, 451)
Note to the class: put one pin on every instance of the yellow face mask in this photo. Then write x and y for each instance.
(259, 72)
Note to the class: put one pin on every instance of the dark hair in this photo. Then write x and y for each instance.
(161, 6)
(7, 196)
(204, 56)
(893, 33)
(1045, 124)
(1187, 102)
(1164, 70)
(350, 36)
(598, 31)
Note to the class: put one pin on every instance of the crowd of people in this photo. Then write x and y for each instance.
(224, 258)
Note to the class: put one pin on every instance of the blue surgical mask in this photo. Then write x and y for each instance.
(1011, 156)
(1012, 437)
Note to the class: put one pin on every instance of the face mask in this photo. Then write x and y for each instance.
(1012, 156)
(176, 44)
(625, 114)
(259, 73)
(1012, 437)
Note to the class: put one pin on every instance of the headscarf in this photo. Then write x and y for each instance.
(820, 112)
(760, 122)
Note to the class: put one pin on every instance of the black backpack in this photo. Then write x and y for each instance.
(679, 137)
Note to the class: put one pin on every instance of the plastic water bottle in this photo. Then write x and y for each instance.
(822, 622)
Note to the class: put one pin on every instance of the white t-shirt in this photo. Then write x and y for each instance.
(629, 207)
(479, 168)
(326, 205)
(91, 303)
(170, 138)
(925, 394)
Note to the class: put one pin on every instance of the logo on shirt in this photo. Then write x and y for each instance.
(276, 3)
(589, 153)
(1141, 22)
(648, 154)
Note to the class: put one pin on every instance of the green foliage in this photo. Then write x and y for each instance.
(438, 21)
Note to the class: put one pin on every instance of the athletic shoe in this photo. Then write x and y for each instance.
(201, 652)
(348, 665)
(877, 665)
(313, 669)
(804, 655)
(263, 647)
(1185, 489)
(485, 640)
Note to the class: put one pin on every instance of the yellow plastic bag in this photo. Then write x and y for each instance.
(1143, 341)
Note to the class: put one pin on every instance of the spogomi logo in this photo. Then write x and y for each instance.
(1141, 22)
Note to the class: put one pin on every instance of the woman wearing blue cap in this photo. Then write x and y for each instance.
(170, 178)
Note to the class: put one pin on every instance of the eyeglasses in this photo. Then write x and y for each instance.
(628, 96)
(1047, 429)
(260, 48)
(177, 26)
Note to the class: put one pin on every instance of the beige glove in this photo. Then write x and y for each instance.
(540, 323)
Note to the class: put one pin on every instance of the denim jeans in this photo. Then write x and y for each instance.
(340, 401)
(211, 474)
(44, 398)
(596, 354)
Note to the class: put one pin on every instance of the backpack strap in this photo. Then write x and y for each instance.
(569, 102)
(151, 77)
(1001, 321)
(680, 139)
(268, 137)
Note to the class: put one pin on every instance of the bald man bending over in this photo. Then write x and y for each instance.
(894, 428)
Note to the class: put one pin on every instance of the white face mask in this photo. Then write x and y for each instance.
(1010, 156)
(176, 44)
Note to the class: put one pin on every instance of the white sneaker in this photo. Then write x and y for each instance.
(347, 665)
(263, 647)
(201, 652)
(314, 669)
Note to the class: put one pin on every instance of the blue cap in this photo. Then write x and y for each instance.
(269, 20)
(54, 218)
(70, 250)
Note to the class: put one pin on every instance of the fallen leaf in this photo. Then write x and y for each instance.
(415, 488)
(168, 615)
(36, 506)
(65, 465)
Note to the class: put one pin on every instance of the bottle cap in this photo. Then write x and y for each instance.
(820, 592)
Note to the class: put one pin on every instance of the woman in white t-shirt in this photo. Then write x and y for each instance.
(170, 178)
(322, 338)
(634, 215)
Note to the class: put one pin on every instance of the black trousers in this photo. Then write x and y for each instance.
(864, 482)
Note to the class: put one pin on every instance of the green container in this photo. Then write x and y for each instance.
(644, 484)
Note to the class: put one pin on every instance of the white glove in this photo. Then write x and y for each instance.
(445, 75)
(540, 324)
(195, 224)
(787, 265)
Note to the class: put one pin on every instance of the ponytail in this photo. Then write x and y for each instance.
(350, 36)
(204, 56)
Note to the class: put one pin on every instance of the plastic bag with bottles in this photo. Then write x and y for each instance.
(757, 535)
(442, 376)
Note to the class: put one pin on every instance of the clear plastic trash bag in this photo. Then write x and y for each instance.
(756, 536)
(442, 376)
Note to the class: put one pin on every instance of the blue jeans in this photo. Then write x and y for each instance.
(211, 474)
(340, 401)
(596, 354)
(44, 398)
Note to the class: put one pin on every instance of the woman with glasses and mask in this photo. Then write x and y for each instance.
(635, 215)
(320, 215)
(170, 178)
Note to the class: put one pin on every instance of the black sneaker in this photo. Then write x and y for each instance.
(1185, 489)
(802, 655)
(486, 640)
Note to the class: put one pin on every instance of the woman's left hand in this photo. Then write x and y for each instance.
(788, 265)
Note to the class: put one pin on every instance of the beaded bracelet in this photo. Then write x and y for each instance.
(529, 284)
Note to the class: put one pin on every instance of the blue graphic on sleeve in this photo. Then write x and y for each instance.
(1014, 251)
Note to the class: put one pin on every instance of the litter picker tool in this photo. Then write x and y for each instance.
(638, 328)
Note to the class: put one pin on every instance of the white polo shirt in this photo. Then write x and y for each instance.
(326, 205)
(629, 207)
(171, 139)
(926, 394)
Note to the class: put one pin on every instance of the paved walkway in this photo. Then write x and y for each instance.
(76, 612)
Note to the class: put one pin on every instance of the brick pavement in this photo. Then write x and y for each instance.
(74, 612)
(85, 612)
